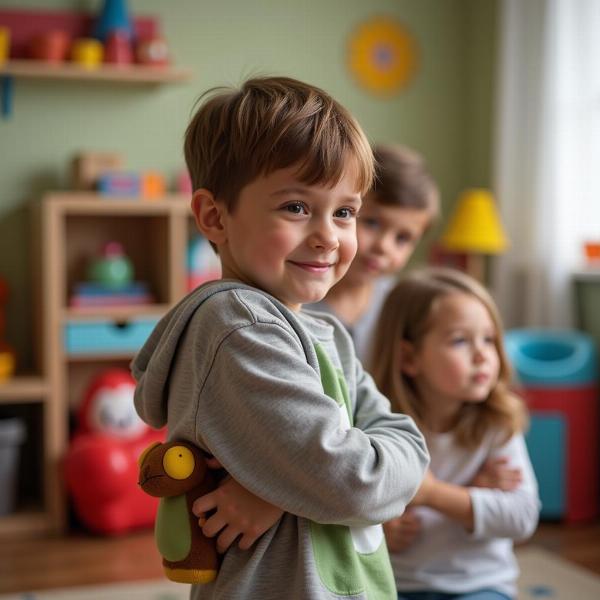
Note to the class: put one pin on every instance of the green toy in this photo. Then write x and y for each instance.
(113, 269)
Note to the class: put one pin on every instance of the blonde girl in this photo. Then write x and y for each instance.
(439, 357)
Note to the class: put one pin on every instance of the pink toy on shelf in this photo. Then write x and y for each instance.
(101, 469)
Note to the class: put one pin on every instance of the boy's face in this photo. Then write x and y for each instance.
(293, 240)
(387, 236)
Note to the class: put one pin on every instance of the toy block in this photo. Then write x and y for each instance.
(89, 166)
(119, 184)
(153, 185)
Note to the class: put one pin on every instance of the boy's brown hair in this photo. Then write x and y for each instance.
(271, 123)
(402, 179)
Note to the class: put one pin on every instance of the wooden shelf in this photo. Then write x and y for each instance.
(140, 74)
(23, 388)
(92, 203)
(27, 523)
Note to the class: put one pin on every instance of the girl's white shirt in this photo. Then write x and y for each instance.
(446, 557)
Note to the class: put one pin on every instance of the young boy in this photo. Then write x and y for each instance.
(275, 394)
(396, 212)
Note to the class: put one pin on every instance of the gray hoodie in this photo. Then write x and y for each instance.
(280, 399)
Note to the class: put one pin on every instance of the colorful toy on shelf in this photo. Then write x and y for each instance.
(87, 167)
(183, 182)
(100, 467)
(177, 473)
(114, 16)
(51, 46)
(202, 262)
(117, 49)
(153, 186)
(87, 53)
(119, 184)
(111, 282)
(113, 269)
(152, 51)
(4, 44)
(7, 355)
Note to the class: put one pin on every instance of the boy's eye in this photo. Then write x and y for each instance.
(370, 222)
(296, 208)
(403, 238)
(457, 341)
(490, 339)
(345, 213)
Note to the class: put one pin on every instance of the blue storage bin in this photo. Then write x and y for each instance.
(107, 336)
(553, 358)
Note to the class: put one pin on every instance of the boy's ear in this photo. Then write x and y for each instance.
(209, 216)
(408, 358)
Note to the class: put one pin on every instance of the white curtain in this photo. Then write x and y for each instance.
(547, 154)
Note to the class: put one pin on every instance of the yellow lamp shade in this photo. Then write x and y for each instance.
(475, 225)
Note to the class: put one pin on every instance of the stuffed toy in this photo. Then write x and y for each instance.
(100, 467)
(177, 473)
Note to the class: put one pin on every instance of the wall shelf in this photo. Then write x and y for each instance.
(140, 74)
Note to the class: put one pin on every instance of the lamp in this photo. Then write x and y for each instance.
(475, 229)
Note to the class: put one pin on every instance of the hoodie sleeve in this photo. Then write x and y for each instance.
(262, 412)
(508, 514)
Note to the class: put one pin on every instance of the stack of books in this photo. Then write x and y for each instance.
(90, 294)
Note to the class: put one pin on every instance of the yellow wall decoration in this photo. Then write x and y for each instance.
(382, 55)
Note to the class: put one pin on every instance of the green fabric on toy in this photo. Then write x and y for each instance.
(177, 473)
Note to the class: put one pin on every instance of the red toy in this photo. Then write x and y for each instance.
(101, 468)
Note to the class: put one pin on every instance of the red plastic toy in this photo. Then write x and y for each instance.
(101, 467)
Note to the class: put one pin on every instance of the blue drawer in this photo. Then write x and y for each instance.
(107, 336)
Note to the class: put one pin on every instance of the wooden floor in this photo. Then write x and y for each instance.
(82, 559)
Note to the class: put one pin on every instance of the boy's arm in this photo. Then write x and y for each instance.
(262, 412)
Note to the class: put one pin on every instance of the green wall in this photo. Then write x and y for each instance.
(444, 113)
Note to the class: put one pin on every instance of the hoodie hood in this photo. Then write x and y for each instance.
(152, 365)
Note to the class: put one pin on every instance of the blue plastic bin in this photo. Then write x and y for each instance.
(552, 357)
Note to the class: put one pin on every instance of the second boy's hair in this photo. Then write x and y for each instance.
(406, 315)
(403, 180)
(271, 123)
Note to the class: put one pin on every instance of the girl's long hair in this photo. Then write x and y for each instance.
(406, 315)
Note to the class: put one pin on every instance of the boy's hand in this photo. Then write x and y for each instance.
(425, 492)
(238, 513)
(402, 531)
(496, 474)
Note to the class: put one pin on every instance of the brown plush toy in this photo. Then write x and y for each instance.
(177, 473)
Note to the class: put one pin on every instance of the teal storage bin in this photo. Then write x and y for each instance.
(107, 336)
(554, 358)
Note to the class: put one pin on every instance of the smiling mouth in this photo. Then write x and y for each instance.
(312, 267)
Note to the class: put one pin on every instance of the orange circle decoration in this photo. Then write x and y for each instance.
(382, 55)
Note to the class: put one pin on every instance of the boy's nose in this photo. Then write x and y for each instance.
(324, 236)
